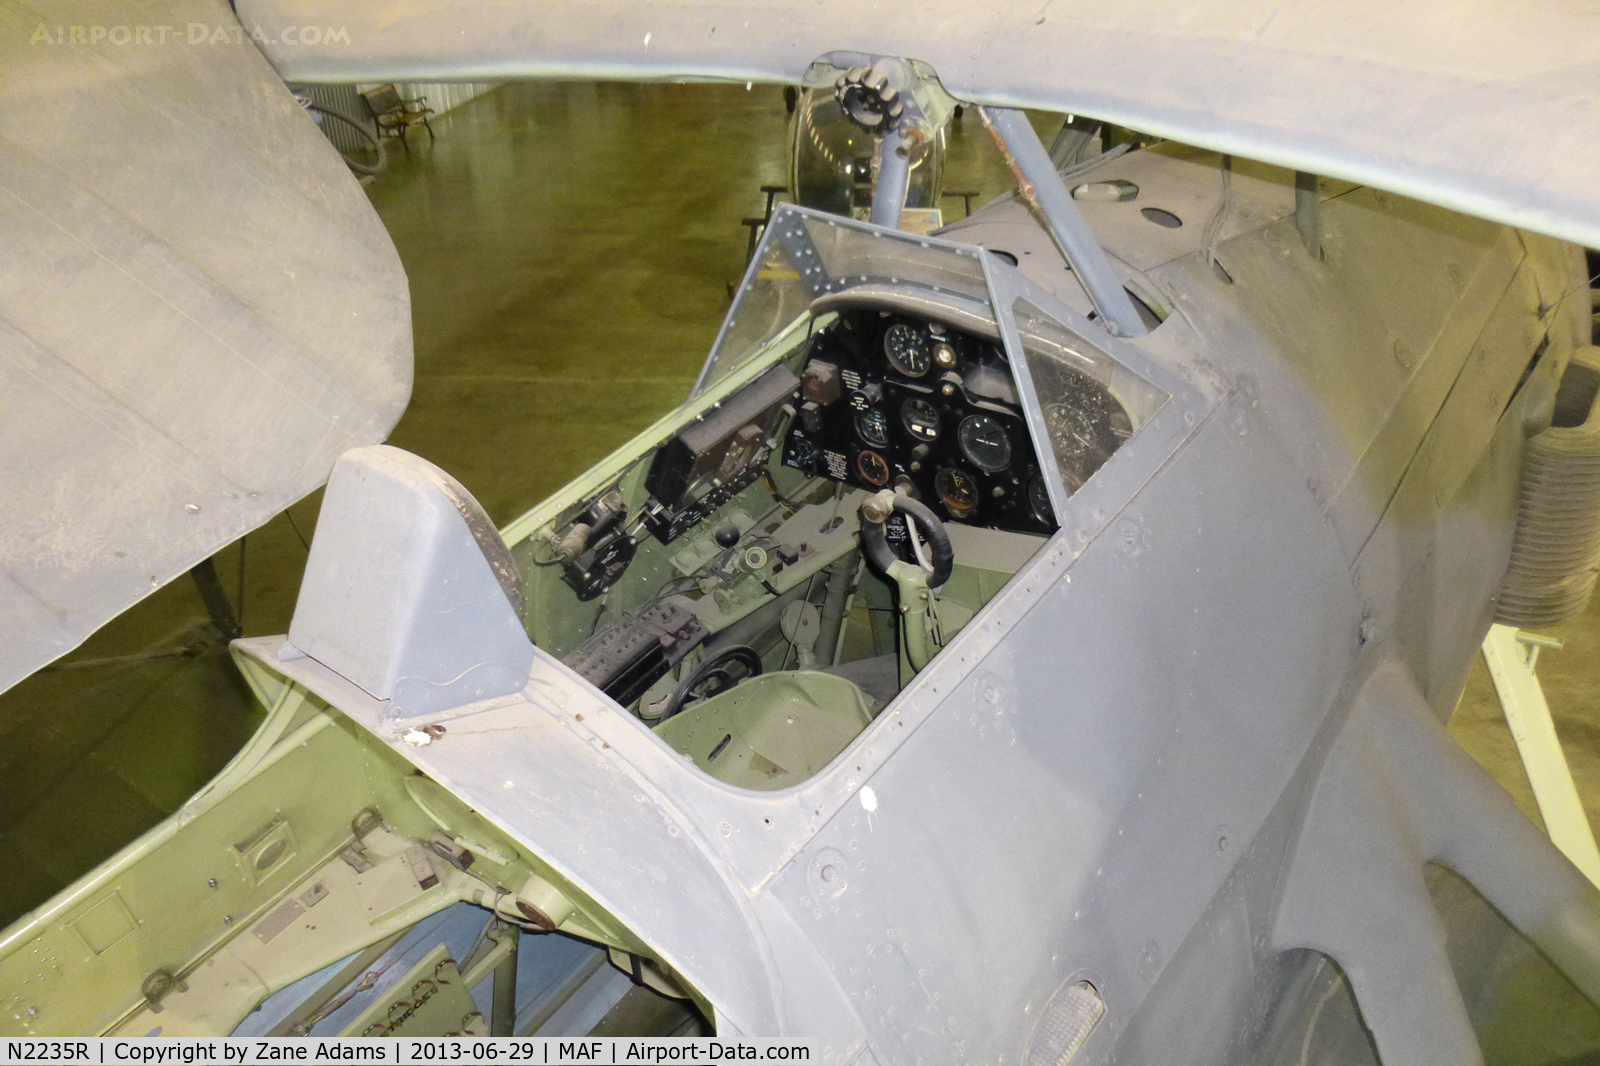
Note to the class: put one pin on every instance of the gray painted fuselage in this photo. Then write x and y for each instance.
(1120, 769)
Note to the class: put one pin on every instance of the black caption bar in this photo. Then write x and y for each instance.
(401, 1051)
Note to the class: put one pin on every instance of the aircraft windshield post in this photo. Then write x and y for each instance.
(1041, 186)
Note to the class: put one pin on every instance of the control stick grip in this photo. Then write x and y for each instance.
(875, 512)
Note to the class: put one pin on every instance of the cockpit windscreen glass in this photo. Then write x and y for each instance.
(850, 256)
(1091, 403)
(773, 307)
(804, 255)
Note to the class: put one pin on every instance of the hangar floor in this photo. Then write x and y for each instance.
(569, 248)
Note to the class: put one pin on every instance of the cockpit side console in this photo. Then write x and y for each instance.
(598, 547)
(723, 452)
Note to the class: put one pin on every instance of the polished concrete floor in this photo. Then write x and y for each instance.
(570, 248)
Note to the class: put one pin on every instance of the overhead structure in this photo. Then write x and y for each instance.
(1043, 189)
(1501, 115)
(199, 309)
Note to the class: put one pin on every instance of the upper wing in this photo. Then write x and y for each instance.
(1489, 107)
(199, 310)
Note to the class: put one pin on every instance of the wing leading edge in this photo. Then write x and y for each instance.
(199, 310)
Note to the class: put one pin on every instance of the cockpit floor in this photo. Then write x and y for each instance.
(878, 677)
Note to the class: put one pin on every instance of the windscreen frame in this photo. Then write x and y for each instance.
(979, 290)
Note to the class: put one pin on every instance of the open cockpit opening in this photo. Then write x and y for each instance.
(889, 430)
(853, 483)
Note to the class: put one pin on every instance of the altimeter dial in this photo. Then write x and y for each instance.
(873, 426)
(908, 350)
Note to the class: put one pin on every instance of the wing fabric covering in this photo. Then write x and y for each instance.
(199, 309)
(1490, 107)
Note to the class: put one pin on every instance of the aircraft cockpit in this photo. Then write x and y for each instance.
(869, 458)
(891, 430)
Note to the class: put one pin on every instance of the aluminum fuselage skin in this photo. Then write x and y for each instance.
(1117, 770)
(1123, 740)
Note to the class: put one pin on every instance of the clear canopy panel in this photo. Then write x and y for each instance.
(774, 304)
(835, 164)
(860, 254)
(809, 263)
(1091, 403)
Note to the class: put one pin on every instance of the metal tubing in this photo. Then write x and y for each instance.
(216, 599)
(911, 580)
(1528, 715)
(1042, 187)
(503, 1012)
(1308, 212)
(894, 178)
(840, 575)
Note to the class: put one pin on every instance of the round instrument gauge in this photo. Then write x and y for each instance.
(1084, 433)
(958, 491)
(873, 469)
(907, 349)
(873, 425)
(921, 419)
(1073, 430)
(984, 442)
(1039, 500)
(945, 356)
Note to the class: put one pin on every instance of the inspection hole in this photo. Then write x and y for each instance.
(1114, 191)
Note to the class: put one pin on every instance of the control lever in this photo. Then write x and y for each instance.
(597, 549)
(600, 516)
(911, 580)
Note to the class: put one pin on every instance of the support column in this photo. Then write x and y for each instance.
(503, 1012)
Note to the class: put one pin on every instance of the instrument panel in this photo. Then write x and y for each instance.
(890, 401)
